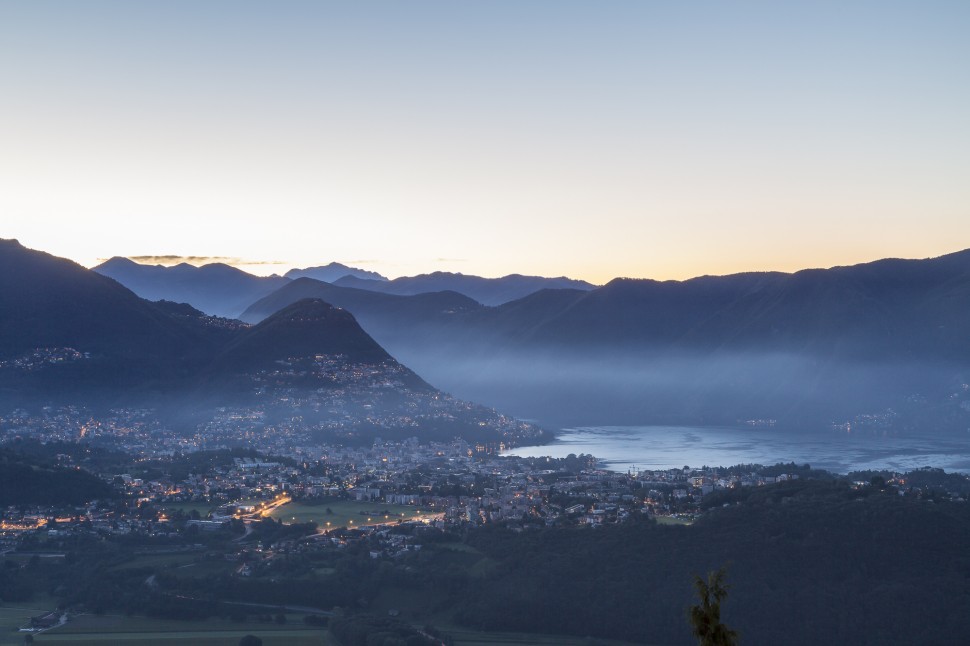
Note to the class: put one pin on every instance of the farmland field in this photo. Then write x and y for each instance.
(475, 638)
(15, 615)
(109, 630)
(672, 520)
(202, 638)
(347, 513)
(88, 630)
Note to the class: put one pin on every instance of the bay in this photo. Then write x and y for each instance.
(625, 448)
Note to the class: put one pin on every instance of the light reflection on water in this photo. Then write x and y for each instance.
(621, 448)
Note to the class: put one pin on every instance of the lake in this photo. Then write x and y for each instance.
(621, 448)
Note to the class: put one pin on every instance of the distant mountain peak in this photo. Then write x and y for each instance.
(116, 261)
(332, 272)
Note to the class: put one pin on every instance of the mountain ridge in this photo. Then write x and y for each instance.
(215, 288)
(487, 291)
(64, 328)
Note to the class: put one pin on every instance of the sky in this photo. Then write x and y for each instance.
(589, 139)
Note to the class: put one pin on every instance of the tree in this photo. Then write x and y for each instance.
(705, 619)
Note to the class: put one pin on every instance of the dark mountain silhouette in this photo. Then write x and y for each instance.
(886, 309)
(890, 308)
(66, 330)
(49, 302)
(217, 289)
(333, 272)
(307, 327)
(488, 291)
(28, 481)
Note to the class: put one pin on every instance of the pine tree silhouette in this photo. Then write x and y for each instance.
(705, 619)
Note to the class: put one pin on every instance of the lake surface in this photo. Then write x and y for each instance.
(621, 448)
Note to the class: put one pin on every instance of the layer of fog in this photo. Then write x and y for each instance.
(570, 389)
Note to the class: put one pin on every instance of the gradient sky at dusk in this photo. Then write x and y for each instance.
(592, 139)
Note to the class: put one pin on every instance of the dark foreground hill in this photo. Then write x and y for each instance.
(808, 563)
(28, 481)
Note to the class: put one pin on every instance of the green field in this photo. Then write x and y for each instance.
(185, 638)
(88, 630)
(474, 638)
(15, 615)
(672, 520)
(187, 563)
(346, 513)
(157, 560)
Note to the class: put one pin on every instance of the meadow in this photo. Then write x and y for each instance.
(15, 615)
(88, 630)
(333, 514)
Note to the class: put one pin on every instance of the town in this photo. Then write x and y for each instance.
(219, 476)
(201, 515)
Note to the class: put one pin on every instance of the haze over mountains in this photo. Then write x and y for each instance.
(880, 346)
(881, 343)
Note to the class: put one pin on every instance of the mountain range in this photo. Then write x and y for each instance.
(221, 290)
(217, 289)
(487, 291)
(886, 309)
(880, 345)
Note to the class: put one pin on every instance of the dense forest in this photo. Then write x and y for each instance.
(808, 562)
